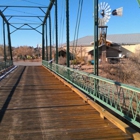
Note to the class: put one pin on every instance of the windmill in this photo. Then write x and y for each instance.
(105, 13)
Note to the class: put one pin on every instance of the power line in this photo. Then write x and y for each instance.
(21, 11)
(25, 19)
(33, 2)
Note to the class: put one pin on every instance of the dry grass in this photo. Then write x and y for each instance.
(126, 72)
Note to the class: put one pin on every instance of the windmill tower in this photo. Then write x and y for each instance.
(105, 13)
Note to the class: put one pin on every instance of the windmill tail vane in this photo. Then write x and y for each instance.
(117, 12)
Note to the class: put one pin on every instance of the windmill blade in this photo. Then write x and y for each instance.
(117, 12)
(101, 6)
(108, 10)
(101, 22)
(108, 14)
(106, 22)
(106, 19)
(104, 5)
(108, 7)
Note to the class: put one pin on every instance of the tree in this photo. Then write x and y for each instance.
(23, 51)
(79, 53)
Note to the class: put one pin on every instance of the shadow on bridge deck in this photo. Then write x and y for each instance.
(37, 106)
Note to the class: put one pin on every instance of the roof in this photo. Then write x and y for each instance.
(125, 38)
(83, 41)
(113, 38)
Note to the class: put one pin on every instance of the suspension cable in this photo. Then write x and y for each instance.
(62, 19)
(79, 13)
(63, 29)
(79, 22)
(53, 32)
(76, 24)
(60, 23)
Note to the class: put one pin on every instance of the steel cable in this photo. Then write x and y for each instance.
(79, 13)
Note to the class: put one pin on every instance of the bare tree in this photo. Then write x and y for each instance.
(79, 54)
(23, 51)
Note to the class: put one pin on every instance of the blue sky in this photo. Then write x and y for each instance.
(128, 23)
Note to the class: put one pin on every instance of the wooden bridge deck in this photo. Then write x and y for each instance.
(37, 106)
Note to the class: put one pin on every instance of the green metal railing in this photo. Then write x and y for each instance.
(121, 98)
(5, 65)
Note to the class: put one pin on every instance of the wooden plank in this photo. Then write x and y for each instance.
(103, 113)
(43, 108)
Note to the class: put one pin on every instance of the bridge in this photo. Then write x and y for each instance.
(52, 101)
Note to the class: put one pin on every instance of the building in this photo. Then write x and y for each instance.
(117, 45)
(107, 52)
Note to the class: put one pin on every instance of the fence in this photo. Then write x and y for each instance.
(5, 65)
